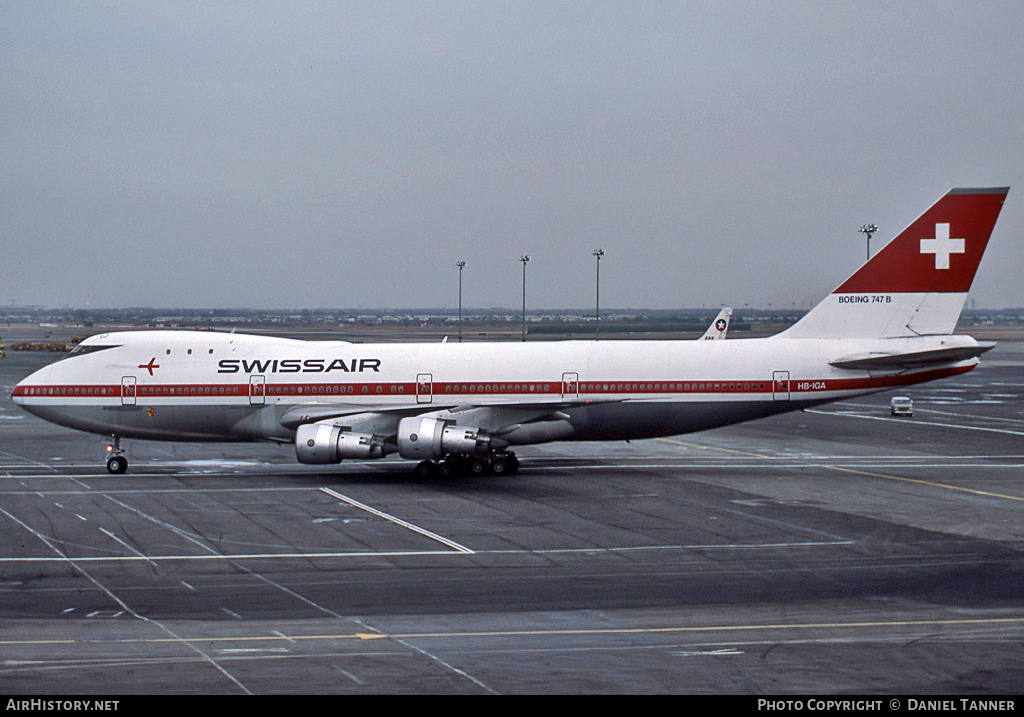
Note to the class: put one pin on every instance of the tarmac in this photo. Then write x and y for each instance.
(832, 551)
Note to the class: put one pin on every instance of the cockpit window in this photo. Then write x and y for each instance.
(83, 349)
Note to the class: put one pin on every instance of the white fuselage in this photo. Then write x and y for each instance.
(182, 385)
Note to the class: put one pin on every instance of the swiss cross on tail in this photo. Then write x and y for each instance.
(942, 246)
(917, 283)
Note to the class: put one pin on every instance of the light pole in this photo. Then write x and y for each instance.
(460, 264)
(597, 301)
(868, 229)
(524, 258)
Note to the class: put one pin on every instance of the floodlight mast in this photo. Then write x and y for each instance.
(868, 229)
(598, 253)
(460, 264)
(524, 258)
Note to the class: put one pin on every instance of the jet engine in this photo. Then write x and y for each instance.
(430, 438)
(327, 443)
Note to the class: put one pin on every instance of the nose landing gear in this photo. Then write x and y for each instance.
(116, 463)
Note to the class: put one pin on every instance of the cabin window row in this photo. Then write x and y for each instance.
(71, 391)
(497, 388)
(593, 387)
(188, 391)
(395, 388)
(322, 388)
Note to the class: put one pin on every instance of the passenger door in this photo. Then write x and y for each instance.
(780, 385)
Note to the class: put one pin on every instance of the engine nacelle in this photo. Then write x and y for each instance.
(327, 443)
(429, 438)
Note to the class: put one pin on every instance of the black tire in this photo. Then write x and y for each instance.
(117, 464)
(425, 469)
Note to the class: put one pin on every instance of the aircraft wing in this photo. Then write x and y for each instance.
(493, 416)
(313, 413)
(912, 359)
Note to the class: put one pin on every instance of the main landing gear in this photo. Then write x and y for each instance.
(496, 464)
(116, 463)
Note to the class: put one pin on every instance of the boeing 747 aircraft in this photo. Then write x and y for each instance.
(453, 406)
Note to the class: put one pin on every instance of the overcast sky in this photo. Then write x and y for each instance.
(347, 154)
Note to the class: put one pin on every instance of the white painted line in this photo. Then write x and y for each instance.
(349, 675)
(22, 461)
(74, 562)
(282, 635)
(128, 547)
(398, 521)
(918, 408)
(915, 423)
(427, 553)
(233, 556)
(708, 653)
(811, 462)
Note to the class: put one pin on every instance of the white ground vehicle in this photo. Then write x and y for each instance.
(901, 406)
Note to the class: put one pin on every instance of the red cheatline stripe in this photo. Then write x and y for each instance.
(482, 388)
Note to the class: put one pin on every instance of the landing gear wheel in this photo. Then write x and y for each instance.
(478, 467)
(425, 469)
(445, 469)
(117, 464)
(500, 467)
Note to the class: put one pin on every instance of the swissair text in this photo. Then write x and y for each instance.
(356, 365)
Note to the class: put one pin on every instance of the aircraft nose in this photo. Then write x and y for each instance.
(21, 394)
(18, 393)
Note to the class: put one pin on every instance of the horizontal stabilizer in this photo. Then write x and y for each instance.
(913, 359)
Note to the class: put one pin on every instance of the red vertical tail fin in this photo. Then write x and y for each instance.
(916, 285)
